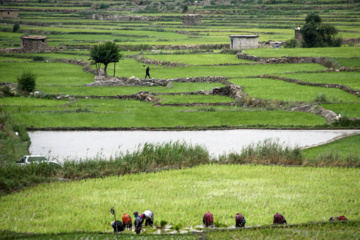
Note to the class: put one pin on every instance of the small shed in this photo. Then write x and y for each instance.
(33, 43)
(243, 41)
(191, 19)
(9, 13)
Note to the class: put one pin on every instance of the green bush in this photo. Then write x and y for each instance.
(16, 27)
(27, 81)
(104, 6)
(290, 43)
(38, 59)
(321, 99)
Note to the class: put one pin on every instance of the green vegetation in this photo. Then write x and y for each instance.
(80, 209)
(14, 141)
(26, 82)
(199, 59)
(351, 110)
(284, 91)
(350, 79)
(341, 151)
(326, 230)
(317, 34)
(104, 54)
(228, 189)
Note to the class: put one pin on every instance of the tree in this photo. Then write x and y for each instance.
(27, 81)
(104, 54)
(317, 34)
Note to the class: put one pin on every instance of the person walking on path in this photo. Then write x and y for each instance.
(147, 72)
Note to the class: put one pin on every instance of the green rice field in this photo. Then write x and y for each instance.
(74, 203)
(313, 194)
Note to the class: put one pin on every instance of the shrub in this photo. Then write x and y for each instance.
(27, 81)
(38, 59)
(163, 223)
(104, 6)
(290, 43)
(321, 99)
(16, 27)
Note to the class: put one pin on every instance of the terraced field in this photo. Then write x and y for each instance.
(245, 94)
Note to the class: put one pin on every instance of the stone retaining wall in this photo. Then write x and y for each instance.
(122, 17)
(269, 60)
(119, 81)
(351, 40)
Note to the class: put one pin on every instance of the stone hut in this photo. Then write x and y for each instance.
(192, 19)
(34, 44)
(30, 44)
(298, 36)
(9, 13)
(243, 41)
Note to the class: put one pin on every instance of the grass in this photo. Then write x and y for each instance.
(323, 231)
(199, 59)
(47, 73)
(167, 117)
(14, 140)
(340, 150)
(350, 79)
(329, 230)
(183, 99)
(225, 71)
(226, 189)
(343, 52)
(284, 91)
(351, 110)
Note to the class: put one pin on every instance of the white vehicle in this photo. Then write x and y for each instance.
(37, 159)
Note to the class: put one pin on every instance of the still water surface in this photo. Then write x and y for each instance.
(75, 145)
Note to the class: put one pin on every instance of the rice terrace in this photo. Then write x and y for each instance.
(171, 66)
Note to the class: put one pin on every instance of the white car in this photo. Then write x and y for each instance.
(36, 159)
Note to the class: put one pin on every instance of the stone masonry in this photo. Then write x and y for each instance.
(30, 44)
(192, 19)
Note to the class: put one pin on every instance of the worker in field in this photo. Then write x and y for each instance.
(279, 219)
(117, 226)
(137, 222)
(240, 220)
(148, 216)
(126, 221)
(208, 219)
(339, 218)
(147, 72)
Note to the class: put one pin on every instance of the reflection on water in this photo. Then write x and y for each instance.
(75, 145)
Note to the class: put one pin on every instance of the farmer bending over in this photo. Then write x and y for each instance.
(117, 226)
(126, 221)
(240, 220)
(208, 219)
(137, 222)
(340, 218)
(148, 215)
(279, 219)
